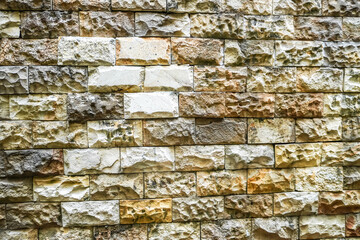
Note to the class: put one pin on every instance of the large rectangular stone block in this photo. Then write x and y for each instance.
(318, 28)
(246, 206)
(249, 156)
(9, 24)
(16, 190)
(276, 130)
(25, 5)
(15, 134)
(13, 79)
(322, 226)
(318, 129)
(316, 179)
(225, 229)
(84, 5)
(315, 79)
(136, 5)
(189, 231)
(270, 180)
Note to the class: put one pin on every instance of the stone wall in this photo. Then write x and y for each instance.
(179, 119)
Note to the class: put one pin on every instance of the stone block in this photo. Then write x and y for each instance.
(299, 105)
(249, 156)
(16, 190)
(276, 130)
(352, 225)
(193, 6)
(339, 202)
(29, 234)
(84, 5)
(318, 28)
(322, 226)
(276, 227)
(314, 179)
(297, 7)
(351, 29)
(27, 5)
(246, 206)
(270, 180)
(317, 79)
(136, 5)
(122, 232)
(296, 203)
(342, 54)
(340, 8)
(226, 229)
(190, 231)
(15, 135)
(352, 80)
(318, 129)
(298, 155)
(13, 79)
(351, 178)
(351, 128)
(9, 24)
(59, 233)
(4, 107)
(249, 105)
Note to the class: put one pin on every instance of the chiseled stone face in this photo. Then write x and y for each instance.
(314, 179)
(351, 28)
(93, 106)
(207, 26)
(198, 209)
(342, 54)
(226, 229)
(298, 155)
(147, 159)
(85, 5)
(169, 184)
(341, 8)
(339, 154)
(59, 233)
(38, 107)
(315, 79)
(207, 105)
(352, 225)
(49, 24)
(25, 5)
(339, 202)
(4, 107)
(221, 183)
(28, 52)
(13, 79)
(245, 206)
(151, 105)
(106, 24)
(16, 190)
(220, 79)
(115, 79)
(142, 51)
(31, 234)
(163, 132)
(351, 128)
(295, 203)
(193, 6)
(254, 7)
(168, 78)
(249, 156)
(322, 226)
(145, 211)
(270, 180)
(352, 80)
(195, 158)
(299, 53)
(276, 130)
(59, 134)
(53, 79)
(268, 79)
(161, 24)
(139, 5)
(318, 28)
(276, 227)
(197, 51)
(91, 161)
(86, 51)
(351, 178)
(2, 218)
(297, 7)
(9, 24)
(220, 131)
(15, 134)
(61, 188)
(122, 232)
(114, 133)
(108, 186)
(190, 231)
(318, 129)
(90, 213)
(249, 105)
(33, 215)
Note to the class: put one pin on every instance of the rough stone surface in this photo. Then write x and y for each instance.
(31, 234)
(59, 134)
(91, 161)
(51, 79)
(4, 107)
(352, 225)
(125, 186)
(227, 131)
(32, 215)
(339, 203)
(59, 233)
(25, 5)
(278, 130)
(275, 228)
(9, 24)
(341, 8)
(297, 7)
(342, 54)
(168, 231)
(351, 178)
(115, 79)
(76, 5)
(136, 5)
(298, 155)
(142, 51)
(147, 159)
(28, 52)
(220, 79)
(270, 180)
(315, 179)
(92, 106)
(121, 232)
(162, 185)
(90, 213)
(249, 156)
(198, 209)
(15, 135)
(16, 189)
(13, 80)
(351, 28)
(145, 211)
(351, 129)
(114, 133)
(250, 105)
(151, 105)
(296, 203)
(319, 79)
(221, 183)
(318, 129)
(196, 51)
(255, 7)
(106, 24)
(352, 80)
(312, 227)
(318, 28)
(49, 24)
(2, 217)
(164, 132)
(226, 229)
(245, 206)
(86, 51)
(160, 24)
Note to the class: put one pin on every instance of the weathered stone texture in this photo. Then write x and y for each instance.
(25, 5)
(278, 130)
(86, 51)
(322, 226)
(226, 229)
(276, 228)
(51, 79)
(197, 51)
(351, 28)
(318, 28)
(298, 155)
(297, 7)
(351, 129)
(30, 234)
(270, 180)
(145, 211)
(9, 24)
(315, 179)
(339, 202)
(245, 206)
(16, 189)
(352, 80)
(193, 6)
(121, 232)
(15, 134)
(4, 107)
(106, 24)
(2, 217)
(28, 52)
(142, 51)
(32, 215)
(85, 5)
(59, 233)
(90, 213)
(13, 80)
(351, 178)
(49, 24)
(342, 54)
(161, 185)
(341, 8)
(255, 7)
(168, 231)
(352, 225)
(124, 186)
(296, 203)
(318, 129)
(249, 105)
(319, 79)
(114, 133)
(136, 5)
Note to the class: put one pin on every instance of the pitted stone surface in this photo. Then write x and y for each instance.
(136, 5)
(13, 80)
(190, 231)
(245, 206)
(85, 5)
(9, 24)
